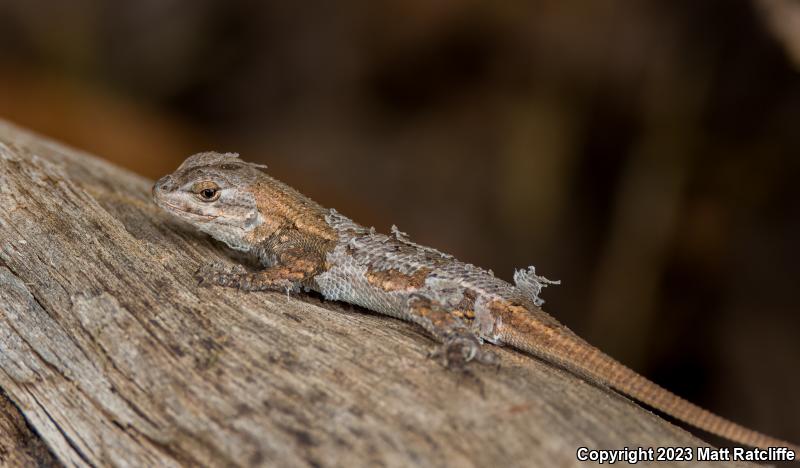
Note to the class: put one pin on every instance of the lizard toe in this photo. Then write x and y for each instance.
(460, 349)
(204, 276)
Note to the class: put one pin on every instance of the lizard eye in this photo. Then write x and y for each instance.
(207, 192)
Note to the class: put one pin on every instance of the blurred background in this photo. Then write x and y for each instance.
(643, 152)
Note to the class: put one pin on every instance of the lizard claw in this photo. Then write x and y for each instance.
(205, 274)
(216, 274)
(461, 348)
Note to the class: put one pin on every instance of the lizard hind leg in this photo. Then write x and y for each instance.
(459, 344)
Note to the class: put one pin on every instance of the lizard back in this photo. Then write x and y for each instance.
(381, 272)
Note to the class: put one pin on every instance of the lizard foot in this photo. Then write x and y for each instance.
(461, 348)
(217, 274)
(238, 277)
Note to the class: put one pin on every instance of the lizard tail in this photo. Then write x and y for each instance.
(583, 359)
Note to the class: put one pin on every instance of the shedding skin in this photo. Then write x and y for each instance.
(299, 244)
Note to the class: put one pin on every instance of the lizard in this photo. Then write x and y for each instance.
(302, 246)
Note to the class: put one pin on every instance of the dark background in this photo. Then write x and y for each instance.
(643, 152)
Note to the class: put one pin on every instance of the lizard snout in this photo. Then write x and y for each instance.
(163, 185)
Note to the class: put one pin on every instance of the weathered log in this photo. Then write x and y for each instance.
(115, 357)
(19, 446)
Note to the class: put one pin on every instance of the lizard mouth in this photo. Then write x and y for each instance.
(181, 210)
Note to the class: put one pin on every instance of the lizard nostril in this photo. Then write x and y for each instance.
(160, 187)
(164, 184)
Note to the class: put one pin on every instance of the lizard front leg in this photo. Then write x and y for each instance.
(460, 344)
(291, 271)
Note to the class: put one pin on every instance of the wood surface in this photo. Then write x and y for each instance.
(111, 355)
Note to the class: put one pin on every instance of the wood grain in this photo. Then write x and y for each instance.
(19, 446)
(115, 357)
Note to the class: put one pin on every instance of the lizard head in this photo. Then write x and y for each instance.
(209, 190)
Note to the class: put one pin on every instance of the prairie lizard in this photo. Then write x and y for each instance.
(302, 245)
